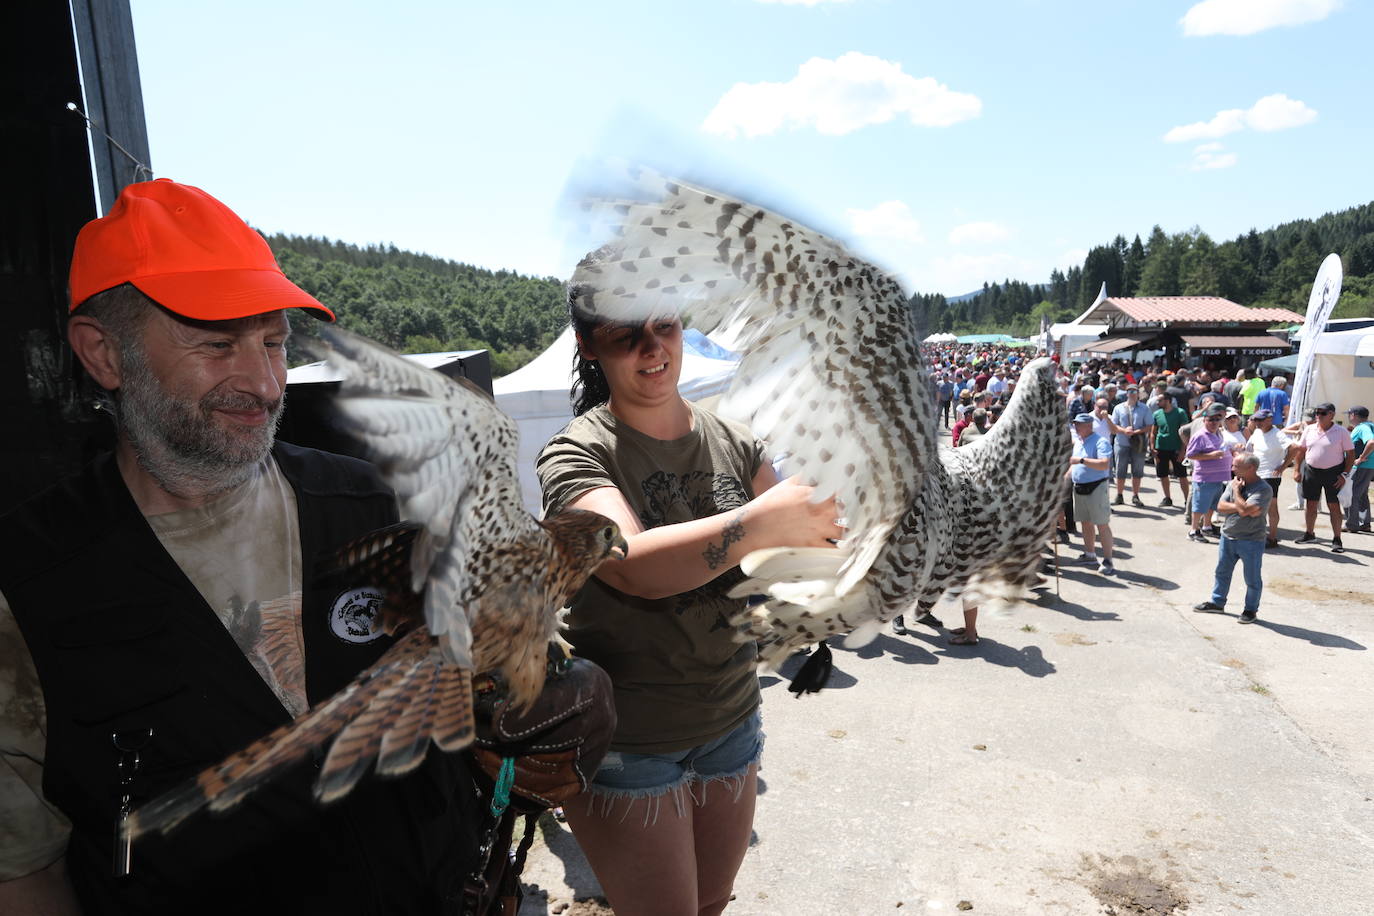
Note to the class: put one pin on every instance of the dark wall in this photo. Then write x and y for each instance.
(45, 197)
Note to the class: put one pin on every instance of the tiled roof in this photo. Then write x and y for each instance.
(1187, 309)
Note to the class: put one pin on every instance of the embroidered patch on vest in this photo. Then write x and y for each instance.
(353, 618)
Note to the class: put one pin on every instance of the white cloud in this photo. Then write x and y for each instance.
(1278, 112)
(978, 233)
(1209, 156)
(1246, 17)
(891, 219)
(1273, 112)
(837, 97)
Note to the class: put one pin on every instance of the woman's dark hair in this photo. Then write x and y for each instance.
(591, 389)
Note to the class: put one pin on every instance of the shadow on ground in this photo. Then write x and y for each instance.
(1315, 637)
(1053, 603)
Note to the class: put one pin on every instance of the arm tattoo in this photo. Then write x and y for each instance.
(732, 532)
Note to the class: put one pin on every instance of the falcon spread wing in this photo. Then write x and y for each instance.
(832, 377)
(473, 584)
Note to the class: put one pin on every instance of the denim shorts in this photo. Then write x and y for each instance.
(624, 775)
(1207, 495)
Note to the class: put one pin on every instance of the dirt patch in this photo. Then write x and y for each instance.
(1126, 886)
(1308, 592)
(1073, 639)
(1234, 663)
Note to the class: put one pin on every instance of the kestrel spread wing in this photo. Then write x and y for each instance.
(831, 377)
(472, 584)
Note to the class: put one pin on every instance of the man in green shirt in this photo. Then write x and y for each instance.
(1167, 448)
(1249, 391)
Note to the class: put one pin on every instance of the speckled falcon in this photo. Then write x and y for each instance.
(473, 584)
(833, 379)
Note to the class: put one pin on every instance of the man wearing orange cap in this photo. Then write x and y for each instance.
(163, 608)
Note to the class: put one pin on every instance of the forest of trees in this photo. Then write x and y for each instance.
(1275, 267)
(417, 303)
(421, 304)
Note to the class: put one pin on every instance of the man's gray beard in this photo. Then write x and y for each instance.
(177, 441)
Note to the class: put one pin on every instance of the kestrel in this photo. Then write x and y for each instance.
(474, 584)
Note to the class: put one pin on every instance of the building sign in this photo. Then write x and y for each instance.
(1241, 351)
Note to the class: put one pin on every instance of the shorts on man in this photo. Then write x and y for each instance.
(1095, 507)
(1126, 457)
(1315, 481)
(1169, 464)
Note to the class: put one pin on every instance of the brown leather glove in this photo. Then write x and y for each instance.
(557, 744)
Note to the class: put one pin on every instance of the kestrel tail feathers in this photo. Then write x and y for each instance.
(392, 711)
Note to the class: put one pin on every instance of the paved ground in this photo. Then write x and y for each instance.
(1108, 750)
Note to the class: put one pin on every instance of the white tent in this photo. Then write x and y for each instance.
(1344, 369)
(940, 338)
(537, 395)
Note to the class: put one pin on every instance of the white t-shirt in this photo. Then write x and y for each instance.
(1269, 447)
(243, 553)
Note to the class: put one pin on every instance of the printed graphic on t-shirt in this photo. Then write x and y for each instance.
(669, 499)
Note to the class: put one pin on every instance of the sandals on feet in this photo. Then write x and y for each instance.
(963, 639)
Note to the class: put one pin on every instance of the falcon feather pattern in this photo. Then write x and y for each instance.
(833, 379)
(473, 584)
(831, 375)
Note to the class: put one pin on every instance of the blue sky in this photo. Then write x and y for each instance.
(952, 143)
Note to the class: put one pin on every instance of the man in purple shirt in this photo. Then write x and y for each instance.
(1211, 469)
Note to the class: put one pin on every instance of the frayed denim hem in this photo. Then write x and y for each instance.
(690, 785)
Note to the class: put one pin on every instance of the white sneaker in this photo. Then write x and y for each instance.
(1107, 569)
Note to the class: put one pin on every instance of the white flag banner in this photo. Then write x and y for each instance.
(1326, 289)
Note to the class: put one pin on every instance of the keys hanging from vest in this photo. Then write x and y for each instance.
(129, 744)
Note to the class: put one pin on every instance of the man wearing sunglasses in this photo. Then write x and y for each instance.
(1321, 467)
(1211, 469)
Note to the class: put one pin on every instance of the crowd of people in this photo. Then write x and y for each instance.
(1224, 440)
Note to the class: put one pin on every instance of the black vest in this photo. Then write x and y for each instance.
(124, 642)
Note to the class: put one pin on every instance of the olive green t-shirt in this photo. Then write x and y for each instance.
(680, 677)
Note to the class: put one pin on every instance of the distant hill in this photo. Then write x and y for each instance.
(417, 303)
(1275, 267)
(963, 298)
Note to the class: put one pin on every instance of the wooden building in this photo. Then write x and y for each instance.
(1190, 330)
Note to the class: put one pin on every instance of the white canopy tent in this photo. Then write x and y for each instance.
(1344, 369)
(1070, 336)
(537, 395)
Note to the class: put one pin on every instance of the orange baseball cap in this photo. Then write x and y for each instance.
(188, 252)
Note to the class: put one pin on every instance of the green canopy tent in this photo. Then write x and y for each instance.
(1286, 364)
(986, 338)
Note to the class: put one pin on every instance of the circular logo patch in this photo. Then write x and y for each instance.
(353, 618)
